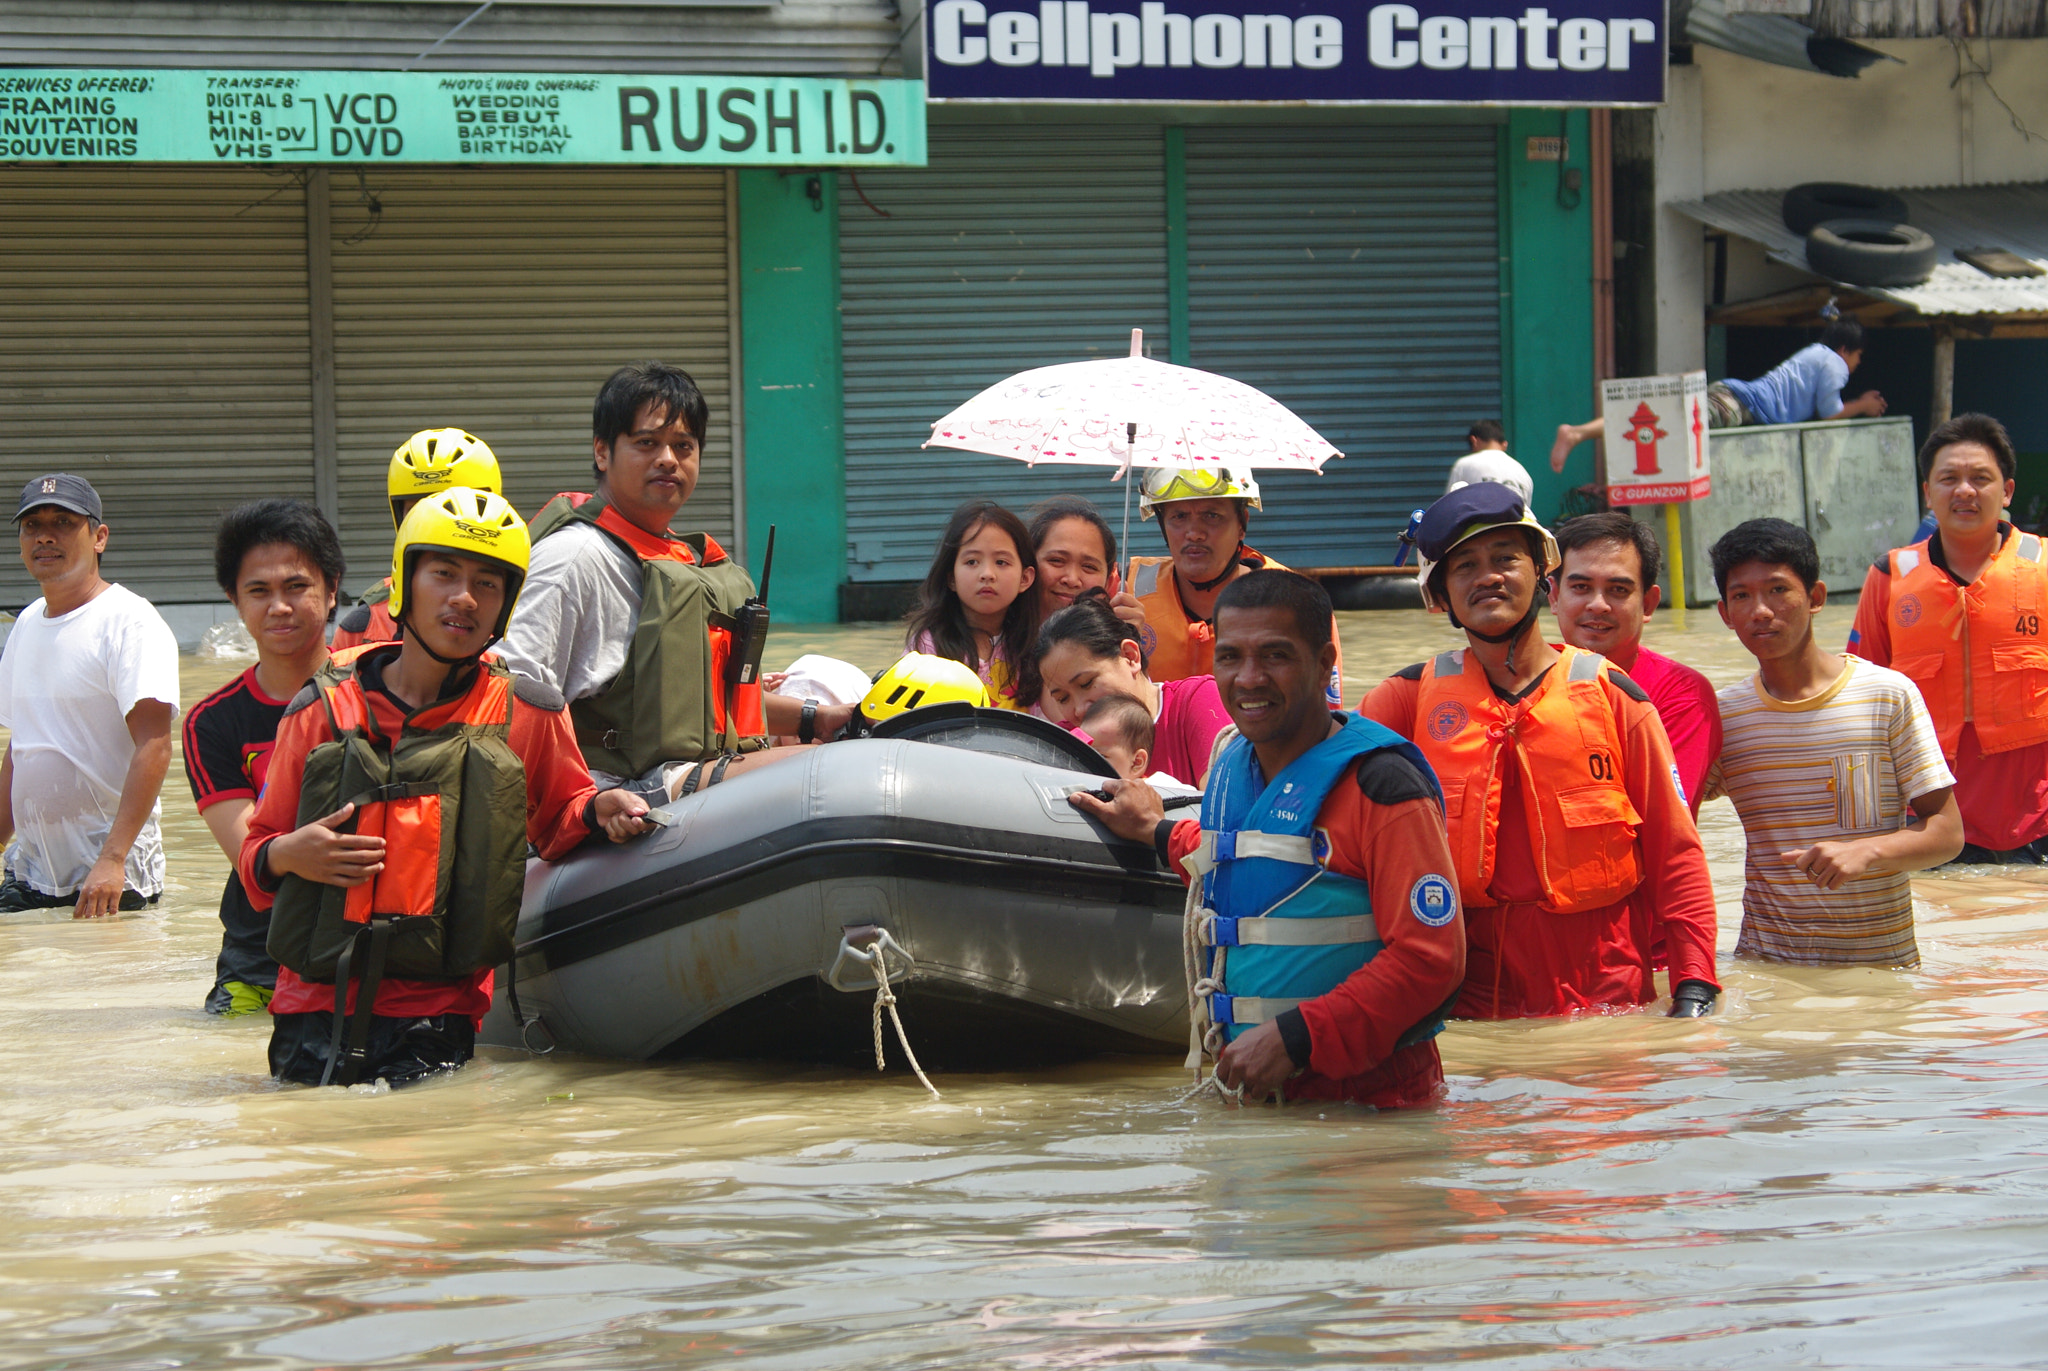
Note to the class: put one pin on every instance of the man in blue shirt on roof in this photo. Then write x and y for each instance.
(1804, 387)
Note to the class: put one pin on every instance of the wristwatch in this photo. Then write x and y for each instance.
(807, 723)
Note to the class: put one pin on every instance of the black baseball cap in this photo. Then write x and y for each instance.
(63, 490)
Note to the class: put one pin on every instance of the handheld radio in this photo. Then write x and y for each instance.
(750, 636)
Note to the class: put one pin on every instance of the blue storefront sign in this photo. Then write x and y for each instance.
(1434, 52)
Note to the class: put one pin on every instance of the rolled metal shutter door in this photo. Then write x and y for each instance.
(153, 340)
(498, 301)
(1353, 274)
(1015, 248)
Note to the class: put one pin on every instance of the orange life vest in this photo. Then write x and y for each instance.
(1178, 646)
(1975, 651)
(447, 796)
(1568, 746)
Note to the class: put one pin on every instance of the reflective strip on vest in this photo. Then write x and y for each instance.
(2030, 548)
(1450, 663)
(1245, 1010)
(1229, 847)
(1145, 579)
(1220, 930)
(1585, 666)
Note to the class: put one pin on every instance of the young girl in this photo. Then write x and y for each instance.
(972, 606)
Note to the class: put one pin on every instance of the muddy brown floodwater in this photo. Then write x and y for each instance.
(1839, 1168)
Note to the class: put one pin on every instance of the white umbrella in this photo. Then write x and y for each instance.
(1129, 412)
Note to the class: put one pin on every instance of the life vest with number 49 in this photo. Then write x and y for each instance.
(1278, 926)
(1975, 651)
(1568, 748)
(669, 701)
(449, 801)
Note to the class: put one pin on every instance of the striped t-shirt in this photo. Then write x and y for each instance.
(1843, 764)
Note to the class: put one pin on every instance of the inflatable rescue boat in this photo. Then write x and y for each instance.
(1012, 927)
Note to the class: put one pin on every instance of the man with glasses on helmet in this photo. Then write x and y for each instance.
(431, 460)
(390, 840)
(1204, 513)
(1562, 797)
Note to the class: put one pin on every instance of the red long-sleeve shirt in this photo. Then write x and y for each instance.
(1353, 1028)
(1523, 960)
(558, 791)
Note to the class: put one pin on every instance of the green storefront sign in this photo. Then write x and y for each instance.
(363, 118)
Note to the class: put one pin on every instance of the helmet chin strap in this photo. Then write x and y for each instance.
(1512, 637)
(405, 627)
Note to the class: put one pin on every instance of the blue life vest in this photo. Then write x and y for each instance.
(1279, 927)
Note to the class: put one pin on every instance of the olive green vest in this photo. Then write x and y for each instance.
(660, 707)
(461, 778)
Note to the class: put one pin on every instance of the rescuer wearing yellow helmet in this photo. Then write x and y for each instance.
(390, 840)
(1204, 513)
(432, 459)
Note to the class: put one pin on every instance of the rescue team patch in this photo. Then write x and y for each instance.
(1447, 719)
(1148, 638)
(1319, 846)
(1909, 611)
(1434, 901)
(1678, 784)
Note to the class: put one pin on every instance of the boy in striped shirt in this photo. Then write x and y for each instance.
(1823, 756)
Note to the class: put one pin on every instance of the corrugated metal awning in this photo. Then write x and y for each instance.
(2013, 217)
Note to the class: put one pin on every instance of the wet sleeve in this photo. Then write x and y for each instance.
(1692, 724)
(1185, 838)
(1392, 703)
(1917, 763)
(277, 808)
(145, 660)
(1676, 889)
(558, 784)
(1870, 637)
(213, 762)
(1394, 848)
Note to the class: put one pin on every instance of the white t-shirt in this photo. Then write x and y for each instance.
(66, 686)
(1491, 464)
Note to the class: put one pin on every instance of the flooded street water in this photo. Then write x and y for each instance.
(1839, 1168)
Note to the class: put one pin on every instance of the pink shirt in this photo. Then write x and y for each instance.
(1191, 714)
(1688, 709)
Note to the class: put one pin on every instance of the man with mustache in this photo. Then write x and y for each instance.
(1561, 791)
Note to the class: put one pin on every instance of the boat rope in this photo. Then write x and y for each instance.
(885, 998)
(1206, 1037)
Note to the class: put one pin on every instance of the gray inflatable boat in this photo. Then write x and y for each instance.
(1014, 928)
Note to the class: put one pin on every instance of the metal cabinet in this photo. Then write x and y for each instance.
(1850, 483)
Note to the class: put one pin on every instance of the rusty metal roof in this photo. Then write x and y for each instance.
(2013, 217)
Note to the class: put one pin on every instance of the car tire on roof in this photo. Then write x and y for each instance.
(1816, 202)
(1871, 252)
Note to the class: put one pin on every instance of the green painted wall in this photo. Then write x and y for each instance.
(1546, 235)
(794, 466)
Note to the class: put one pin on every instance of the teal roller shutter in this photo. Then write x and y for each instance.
(1015, 248)
(1352, 273)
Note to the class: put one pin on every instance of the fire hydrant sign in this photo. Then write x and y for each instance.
(1656, 439)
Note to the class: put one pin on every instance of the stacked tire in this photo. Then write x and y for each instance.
(1858, 234)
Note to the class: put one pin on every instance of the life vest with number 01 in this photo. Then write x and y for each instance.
(1278, 926)
(668, 702)
(1568, 749)
(449, 801)
(1176, 646)
(1975, 651)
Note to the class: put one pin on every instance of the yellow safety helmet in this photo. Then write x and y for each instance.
(468, 523)
(920, 679)
(1164, 485)
(437, 459)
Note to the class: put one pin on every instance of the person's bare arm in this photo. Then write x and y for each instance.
(1934, 836)
(149, 725)
(228, 821)
(1868, 405)
(785, 714)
